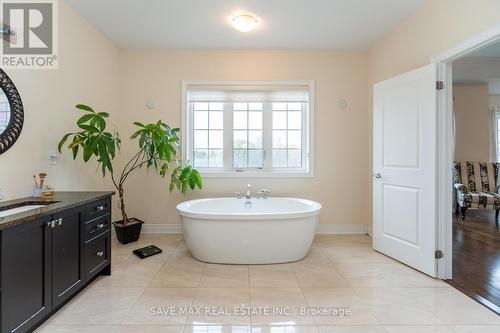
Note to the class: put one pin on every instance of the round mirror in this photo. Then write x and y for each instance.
(11, 113)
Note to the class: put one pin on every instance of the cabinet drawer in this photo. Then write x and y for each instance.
(97, 208)
(97, 254)
(96, 226)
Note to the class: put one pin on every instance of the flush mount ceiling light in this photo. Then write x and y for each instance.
(244, 22)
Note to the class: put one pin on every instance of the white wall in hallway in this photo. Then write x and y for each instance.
(472, 122)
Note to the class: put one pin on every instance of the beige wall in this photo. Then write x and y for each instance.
(437, 26)
(88, 72)
(341, 135)
(472, 122)
(92, 70)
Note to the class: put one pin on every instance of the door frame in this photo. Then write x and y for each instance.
(445, 141)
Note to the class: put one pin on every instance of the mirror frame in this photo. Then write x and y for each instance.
(13, 130)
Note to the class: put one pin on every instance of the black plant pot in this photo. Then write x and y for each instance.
(128, 233)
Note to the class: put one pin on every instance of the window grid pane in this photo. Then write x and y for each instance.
(208, 135)
(247, 135)
(287, 135)
(250, 134)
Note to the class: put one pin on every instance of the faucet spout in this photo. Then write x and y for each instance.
(248, 195)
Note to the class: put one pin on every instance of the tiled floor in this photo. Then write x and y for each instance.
(340, 273)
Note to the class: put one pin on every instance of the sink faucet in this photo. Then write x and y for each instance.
(248, 195)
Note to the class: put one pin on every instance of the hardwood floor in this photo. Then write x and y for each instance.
(476, 257)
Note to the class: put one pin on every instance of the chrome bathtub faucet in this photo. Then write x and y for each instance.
(248, 195)
(262, 194)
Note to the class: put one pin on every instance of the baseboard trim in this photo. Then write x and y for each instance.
(322, 229)
(332, 229)
(161, 228)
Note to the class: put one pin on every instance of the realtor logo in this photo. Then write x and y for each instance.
(29, 34)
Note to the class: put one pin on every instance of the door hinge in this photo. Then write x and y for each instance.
(438, 254)
(439, 85)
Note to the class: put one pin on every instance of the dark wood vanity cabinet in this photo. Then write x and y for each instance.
(45, 262)
(26, 276)
(67, 246)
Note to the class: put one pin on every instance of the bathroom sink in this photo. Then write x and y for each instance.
(23, 207)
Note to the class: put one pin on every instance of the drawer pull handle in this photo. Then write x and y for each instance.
(100, 226)
(99, 254)
(99, 208)
(60, 221)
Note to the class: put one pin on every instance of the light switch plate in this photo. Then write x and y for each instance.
(53, 157)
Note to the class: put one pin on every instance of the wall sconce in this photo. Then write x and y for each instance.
(342, 104)
(150, 104)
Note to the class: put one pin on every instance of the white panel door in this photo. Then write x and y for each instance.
(404, 168)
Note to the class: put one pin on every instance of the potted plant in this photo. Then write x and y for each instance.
(157, 145)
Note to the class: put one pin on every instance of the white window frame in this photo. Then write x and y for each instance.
(308, 135)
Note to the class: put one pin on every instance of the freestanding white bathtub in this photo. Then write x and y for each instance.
(225, 230)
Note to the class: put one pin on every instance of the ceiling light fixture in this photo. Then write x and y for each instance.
(244, 23)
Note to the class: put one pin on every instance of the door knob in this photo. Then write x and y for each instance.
(377, 175)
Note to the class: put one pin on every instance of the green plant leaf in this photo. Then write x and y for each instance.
(88, 128)
(100, 122)
(74, 151)
(163, 169)
(192, 180)
(111, 144)
(138, 124)
(103, 114)
(63, 141)
(85, 108)
(76, 142)
(136, 134)
(185, 172)
(199, 180)
(83, 119)
(105, 160)
(141, 141)
(90, 148)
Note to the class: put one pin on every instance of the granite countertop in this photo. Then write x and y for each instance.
(65, 200)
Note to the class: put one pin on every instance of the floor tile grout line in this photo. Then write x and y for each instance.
(302, 287)
(130, 309)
